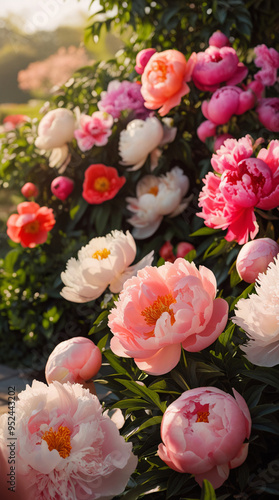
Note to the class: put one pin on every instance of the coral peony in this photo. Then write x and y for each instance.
(31, 225)
(203, 432)
(254, 258)
(140, 138)
(105, 261)
(142, 59)
(226, 102)
(29, 190)
(101, 183)
(164, 80)
(123, 96)
(163, 308)
(55, 129)
(65, 447)
(62, 187)
(217, 65)
(93, 130)
(156, 197)
(75, 360)
(268, 60)
(258, 315)
(268, 113)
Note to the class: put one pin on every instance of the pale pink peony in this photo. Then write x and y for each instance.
(142, 59)
(75, 360)
(123, 96)
(203, 433)
(206, 129)
(62, 187)
(217, 65)
(55, 129)
(268, 113)
(254, 258)
(268, 60)
(157, 197)
(219, 39)
(105, 261)
(164, 80)
(66, 449)
(162, 309)
(258, 316)
(226, 102)
(93, 130)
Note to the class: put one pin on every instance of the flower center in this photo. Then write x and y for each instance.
(160, 305)
(101, 254)
(101, 184)
(32, 227)
(202, 416)
(216, 58)
(154, 190)
(161, 70)
(59, 440)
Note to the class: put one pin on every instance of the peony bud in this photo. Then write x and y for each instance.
(62, 187)
(206, 129)
(218, 39)
(254, 258)
(183, 248)
(166, 252)
(29, 190)
(142, 59)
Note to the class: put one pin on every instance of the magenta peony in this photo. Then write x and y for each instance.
(123, 96)
(226, 102)
(206, 129)
(203, 433)
(219, 39)
(268, 113)
(66, 448)
(62, 187)
(254, 258)
(142, 59)
(268, 60)
(162, 309)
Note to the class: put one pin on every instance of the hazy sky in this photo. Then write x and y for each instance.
(33, 15)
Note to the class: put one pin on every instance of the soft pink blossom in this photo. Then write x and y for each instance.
(203, 433)
(254, 258)
(55, 129)
(162, 309)
(123, 96)
(29, 190)
(219, 39)
(93, 130)
(206, 129)
(66, 448)
(220, 139)
(62, 187)
(218, 65)
(258, 316)
(268, 113)
(268, 60)
(142, 59)
(75, 360)
(226, 102)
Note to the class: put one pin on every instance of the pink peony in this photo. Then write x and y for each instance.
(164, 80)
(254, 258)
(218, 39)
(75, 360)
(226, 102)
(29, 190)
(162, 309)
(142, 59)
(66, 448)
(217, 65)
(93, 130)
(258, 316)
(62, 187)
(220, 139)
(228, 201)
(123, 96)
(31, 225)
(203, 433)
(206, 129)
(268, 113)
(183, 248)
(268, 60)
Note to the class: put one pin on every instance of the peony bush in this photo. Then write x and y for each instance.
(139, 276)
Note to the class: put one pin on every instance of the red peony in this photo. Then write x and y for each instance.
(31, 225)
(101, 183)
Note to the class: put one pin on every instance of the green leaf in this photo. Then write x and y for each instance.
(205, 231)
(103, 342)
(244, 295)
(268, 376)
(115, 363)
(150, 422)
(190, 256)
(11, 259)
(143, 391)
(208, 492)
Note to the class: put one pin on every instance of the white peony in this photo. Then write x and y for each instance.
(60, 158)
(258, 315)
(104, 262)
(157, 197)
(55, 129)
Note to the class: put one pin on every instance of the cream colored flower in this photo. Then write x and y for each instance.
(60, 158)
(55, 129)
(258, 315)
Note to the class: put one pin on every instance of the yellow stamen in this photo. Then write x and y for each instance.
(102, 184)
(161, 70)
(202, 416)
(101, 254)
(59, 440)
(161, 304)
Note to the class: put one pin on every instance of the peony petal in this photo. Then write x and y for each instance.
(162, 362)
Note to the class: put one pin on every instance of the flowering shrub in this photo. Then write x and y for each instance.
(125, 162)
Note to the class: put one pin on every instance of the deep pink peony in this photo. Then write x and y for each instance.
(268, 60)
(164, 80)
(220, 139)
(62, 187)
(254, 258)
(217, 65)
(268, 113)
(93, 130)
(206, 129)
(219, 39)
(75, 360)
(228, 201)
(142, 59)
(226, 102)
(203, 432)
(163, 308)
(123, 96)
